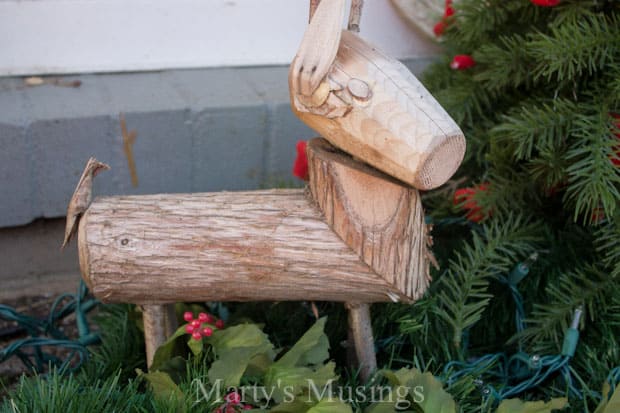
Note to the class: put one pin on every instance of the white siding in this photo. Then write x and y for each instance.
(83, 36)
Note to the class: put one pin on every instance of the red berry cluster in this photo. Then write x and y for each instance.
(546, 3)
(300, 167)
(445, 20)
(232, 404)
(464, 198)
(196, 326)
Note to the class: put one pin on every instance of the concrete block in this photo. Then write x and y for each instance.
(60, 150)
(16, 181)
(148, 92)
(286, 130)
(162, 152)
(269, 83)
(13, 106)
(214, 88)
(32, 263)
(49, 102)
(229, 148)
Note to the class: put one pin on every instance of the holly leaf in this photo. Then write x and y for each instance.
(609, 405)
(305, 404)
(242, 335)
(296, 380)
(295, 406)
(195, 346)
(410, 386)
(519, 406)
(311, 349)
(162, 385)
(166, 351)
(230, 366)
(330, 405)
(381, 407)
(236, 349)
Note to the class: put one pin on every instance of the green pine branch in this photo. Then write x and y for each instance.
(462, 291)
(576, 47)
(593, 179)
(536, 125)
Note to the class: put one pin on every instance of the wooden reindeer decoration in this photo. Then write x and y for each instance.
(357, 235)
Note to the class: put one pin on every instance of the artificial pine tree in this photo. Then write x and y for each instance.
(535, 86)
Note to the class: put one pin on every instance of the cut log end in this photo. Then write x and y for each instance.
(441, 163)
(378, 217)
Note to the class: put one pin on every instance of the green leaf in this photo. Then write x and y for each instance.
(231, 365)
(295, 406)
(388, 407)
(294, 371)
(519, 406)
(195, 346)
(243, 335)
(166, 351)
(311, 348)
(305, 404)
(330, 406)
(296, 380)
(161, 385)
(612, 405)
(410, 386)
(237, 348)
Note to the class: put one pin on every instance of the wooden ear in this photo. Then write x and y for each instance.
(318, 47)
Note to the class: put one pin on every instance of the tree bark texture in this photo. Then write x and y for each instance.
(269, 245)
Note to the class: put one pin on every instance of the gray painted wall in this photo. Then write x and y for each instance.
(197, 130)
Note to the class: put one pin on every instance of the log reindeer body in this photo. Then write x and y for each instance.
(370, 105)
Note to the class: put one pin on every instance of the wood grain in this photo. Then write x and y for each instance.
(398, 127)
(243, 246)
(378, 217)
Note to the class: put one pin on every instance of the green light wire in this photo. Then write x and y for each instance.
(519, 372)
(45, 333)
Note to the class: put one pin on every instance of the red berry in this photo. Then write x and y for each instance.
(189, 329)
(598, 215)
(439, 28)
(234, 398)
(546, 3)
(207, 331)
(615, 159)
(462, 62)
(188, 316)
(219, 324)
(449, 12)
(195, 323)
(196, 335)
(300, 167)
(203, 317)
(465, 198)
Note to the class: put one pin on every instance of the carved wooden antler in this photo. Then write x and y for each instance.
(370, 105)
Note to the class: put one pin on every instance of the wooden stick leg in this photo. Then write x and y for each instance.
(360, 330)
(159, 324)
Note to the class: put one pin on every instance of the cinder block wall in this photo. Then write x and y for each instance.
(197, 130)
